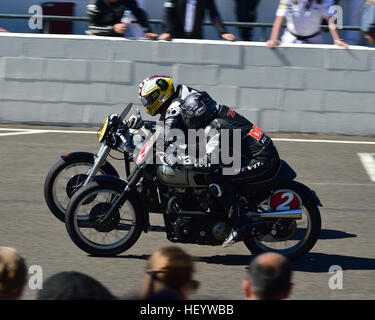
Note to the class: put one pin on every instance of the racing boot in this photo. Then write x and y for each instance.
(241, 227)
(215, 190)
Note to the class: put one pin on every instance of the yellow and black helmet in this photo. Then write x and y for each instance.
(154, 91)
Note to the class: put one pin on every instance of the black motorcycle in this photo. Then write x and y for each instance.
(76, 169)
(107, 216)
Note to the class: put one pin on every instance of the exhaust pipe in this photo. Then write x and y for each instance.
(289, 214)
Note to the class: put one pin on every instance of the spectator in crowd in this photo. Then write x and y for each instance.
(73, 286)
(354, 37)
(268, 278)
(135, 30)
(13, 274)
(105, 18)
(246, 12)
(368, 21)
(184, 19)
(303, 18)
(169, 275)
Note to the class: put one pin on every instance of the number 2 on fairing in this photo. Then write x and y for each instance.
(283, 200)
(284, 206)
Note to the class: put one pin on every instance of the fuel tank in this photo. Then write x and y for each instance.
(181, 176)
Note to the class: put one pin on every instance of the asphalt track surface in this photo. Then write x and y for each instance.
(328, 164)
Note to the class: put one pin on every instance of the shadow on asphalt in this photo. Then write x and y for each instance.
(157, 229)
(129, 256)
(325, 234)
(321, 262)
(229, 260)
(311, 262)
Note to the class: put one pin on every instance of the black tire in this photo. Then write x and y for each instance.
(53, 204)
(72, 224)
(314, 229)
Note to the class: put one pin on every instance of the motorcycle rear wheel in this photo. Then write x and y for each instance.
(83, 224)
(72, 173)
(311, 211)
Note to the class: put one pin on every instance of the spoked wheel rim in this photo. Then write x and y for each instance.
(68, 181)
(292, 235)
(112, 233)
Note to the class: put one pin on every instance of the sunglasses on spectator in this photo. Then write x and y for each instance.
(192, 284)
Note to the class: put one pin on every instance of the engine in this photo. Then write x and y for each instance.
(195, 217)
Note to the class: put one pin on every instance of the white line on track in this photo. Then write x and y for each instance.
(368, 162)
(324, 141)
(274, 139)
(339, 184)
(23, 131)
(16, 131)
(19, 133)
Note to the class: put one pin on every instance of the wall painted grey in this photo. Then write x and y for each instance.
(78, 80)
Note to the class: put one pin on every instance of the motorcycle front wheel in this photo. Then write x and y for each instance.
(65, 178)
(95, 235)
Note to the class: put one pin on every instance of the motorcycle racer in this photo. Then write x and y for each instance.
(259, 156)
(186, 108)
(159, 96)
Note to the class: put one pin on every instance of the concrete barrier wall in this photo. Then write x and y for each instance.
(78, 80)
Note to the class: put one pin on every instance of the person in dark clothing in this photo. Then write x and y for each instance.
(105, 18)
(169, 275)
(246, 12)
(258, 156)
(269, 277)
(184, 19)
(73, 286)
(13, 274)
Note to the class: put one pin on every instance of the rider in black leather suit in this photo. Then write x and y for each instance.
(182, 109)
(259, 156)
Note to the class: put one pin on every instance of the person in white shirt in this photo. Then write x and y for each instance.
(303, 20)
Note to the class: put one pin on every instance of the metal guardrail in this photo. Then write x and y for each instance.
(45, 17)
(159, 22)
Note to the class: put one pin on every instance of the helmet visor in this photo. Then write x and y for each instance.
(149, 99)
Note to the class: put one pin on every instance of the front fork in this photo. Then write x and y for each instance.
(120, 200)
(98, 162)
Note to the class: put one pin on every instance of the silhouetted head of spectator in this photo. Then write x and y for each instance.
(13, 274)
(73, 286)
(169, 275)
(268, 278)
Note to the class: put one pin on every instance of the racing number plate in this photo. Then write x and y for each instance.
(148, 146)
(285, 199)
